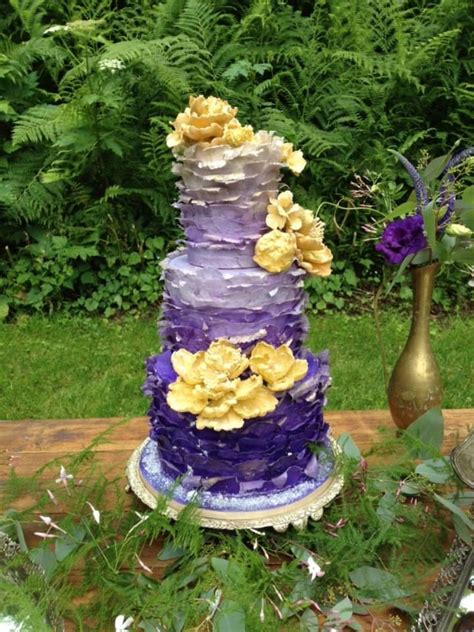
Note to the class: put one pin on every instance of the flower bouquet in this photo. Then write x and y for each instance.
(437, 228)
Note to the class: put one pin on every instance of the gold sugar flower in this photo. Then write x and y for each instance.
(236, 135)
(284, 213)
(188, 365)
(275, 251)
(209, 386)
(293, 159)
(248, 399)
(186, 398)
(224, 357)
(203, 120)
(314, 256)
(277, 366)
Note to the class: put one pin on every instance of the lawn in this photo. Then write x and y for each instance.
(71, 368)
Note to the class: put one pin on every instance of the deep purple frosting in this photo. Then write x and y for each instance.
(269, 453)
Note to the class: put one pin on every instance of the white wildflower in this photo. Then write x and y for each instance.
(56, 28)
(64, 477)
(143, 565)
(122, 624)
(95, 512)
(314, 569)
(111, 64)
(262, 611)
(52, 496)
(40, 534)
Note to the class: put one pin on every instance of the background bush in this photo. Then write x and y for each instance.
(88, 89)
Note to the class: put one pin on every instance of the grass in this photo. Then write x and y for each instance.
(72, 368)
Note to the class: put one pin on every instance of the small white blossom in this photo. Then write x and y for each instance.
(52, 525)
(40, 534)
(143, 565)
(95, 512)
(52, 496)
(56, 28)
(122, 624)
(111, 64)
(64, 477)
(262, 611)
(314, 569)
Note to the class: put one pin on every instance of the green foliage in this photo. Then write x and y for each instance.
(228, 581)
(88, 93)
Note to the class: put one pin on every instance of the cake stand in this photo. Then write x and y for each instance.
(278, 509)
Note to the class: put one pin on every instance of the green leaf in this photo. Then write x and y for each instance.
(425, 435)
(63, 547)
(229, 618)
(309, 621)
(467, 218)
(45, 558)
(468, 195)
(454, 509)
(343, 609)
(221, 566)
(170, 552)
(435, 470)
(404, 264)
(403, 209)
(386, 508)
(376, 584)
(348, 446)
(435, 168)
(464, 254)
(462, 530)
(429, 220)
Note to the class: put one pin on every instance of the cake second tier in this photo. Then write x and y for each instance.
(201, 304)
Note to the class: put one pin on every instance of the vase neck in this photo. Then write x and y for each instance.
(423, 283)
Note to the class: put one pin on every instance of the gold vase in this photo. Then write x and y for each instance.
(415, 385)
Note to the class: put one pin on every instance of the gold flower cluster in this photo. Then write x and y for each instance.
(213, 120)
(209, 383)
(295, 234)
(210, 120)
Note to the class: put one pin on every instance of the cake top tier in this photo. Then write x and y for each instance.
(227, 168)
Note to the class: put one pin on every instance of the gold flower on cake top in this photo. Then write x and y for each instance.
(209, 386)
(236, 135)
(277, 366)
(203, 120)
(275, 251)
(284, 213)
(293, 159)
(312, 254)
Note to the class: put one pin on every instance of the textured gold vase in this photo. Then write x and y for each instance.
(415, 385)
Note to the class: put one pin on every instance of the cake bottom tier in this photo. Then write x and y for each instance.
(270, 453)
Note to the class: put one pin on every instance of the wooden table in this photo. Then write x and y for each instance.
(29, 444)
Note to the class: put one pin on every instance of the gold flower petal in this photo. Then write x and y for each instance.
(230, 421)
(296, 162)
(226, 358)
(316, 261)
(184, 398)
(275, 251)
(188, 365)
(219, 407)
(261, 359)
(297, 372)
(245, 388)
(260, 402)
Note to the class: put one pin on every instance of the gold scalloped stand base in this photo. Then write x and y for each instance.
(280, 518)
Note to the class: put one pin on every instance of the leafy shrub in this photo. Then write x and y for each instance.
(87, 95)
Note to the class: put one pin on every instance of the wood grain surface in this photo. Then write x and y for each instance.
(29, 444)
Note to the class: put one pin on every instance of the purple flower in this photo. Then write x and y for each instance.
(401, 238)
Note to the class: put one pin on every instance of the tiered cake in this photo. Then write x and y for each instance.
(237, 402)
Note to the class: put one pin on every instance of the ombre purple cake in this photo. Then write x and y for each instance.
(214, 290)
